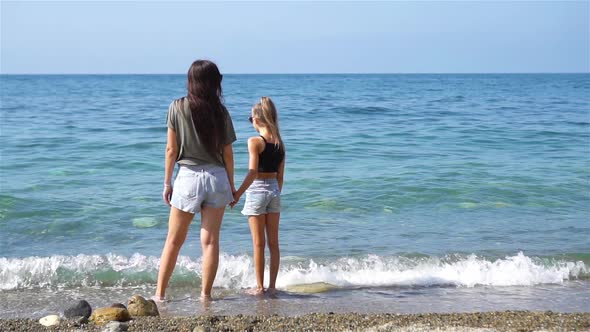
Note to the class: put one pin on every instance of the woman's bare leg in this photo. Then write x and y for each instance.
(178, 225)
(272, 234)
(258, 243)
(210, 225)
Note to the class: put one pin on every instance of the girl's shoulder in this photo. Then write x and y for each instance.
(257, 141)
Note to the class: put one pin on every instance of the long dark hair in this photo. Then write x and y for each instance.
(205, 101)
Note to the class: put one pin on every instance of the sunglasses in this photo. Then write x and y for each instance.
(250, 119)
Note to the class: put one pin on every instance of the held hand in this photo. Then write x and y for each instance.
(167, 194)
(235, 201)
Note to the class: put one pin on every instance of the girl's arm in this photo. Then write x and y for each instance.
(228, 160)
(170, 159)
(253, 151)
(281, 172)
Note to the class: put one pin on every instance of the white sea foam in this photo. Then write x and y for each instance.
(518, 270)
(237, 272)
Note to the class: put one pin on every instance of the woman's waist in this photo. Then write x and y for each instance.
(187, 170)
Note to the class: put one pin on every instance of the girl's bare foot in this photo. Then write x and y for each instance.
(271, 291)
(255, 291)
(206, 298)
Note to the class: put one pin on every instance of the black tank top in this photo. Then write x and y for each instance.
(270, 158)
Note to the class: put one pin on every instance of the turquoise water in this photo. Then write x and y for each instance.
(461, 181)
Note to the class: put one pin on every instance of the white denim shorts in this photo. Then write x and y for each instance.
(199, 186)
(262, 197)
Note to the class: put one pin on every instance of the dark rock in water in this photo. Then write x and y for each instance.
(101, 316)
(81, 308)
(138, 306)
(118, 305)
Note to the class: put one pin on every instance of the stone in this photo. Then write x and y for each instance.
(145, 222)
(118, 305)
(102, 316)
(201, 329)
(138, 306)
(115, 327)
(314, 287)
(50, 320)
(81, 308)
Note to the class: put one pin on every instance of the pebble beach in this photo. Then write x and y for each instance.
(478, 321)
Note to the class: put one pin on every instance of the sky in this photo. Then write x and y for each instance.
(68, 37)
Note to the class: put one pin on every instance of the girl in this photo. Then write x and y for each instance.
(264, 183)
(200, 137)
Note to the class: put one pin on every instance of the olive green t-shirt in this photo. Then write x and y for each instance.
(190, 149)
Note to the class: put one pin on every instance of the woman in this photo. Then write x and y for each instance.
(200, 137)
(264, 183)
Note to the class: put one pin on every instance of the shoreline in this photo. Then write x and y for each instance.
(473, 321)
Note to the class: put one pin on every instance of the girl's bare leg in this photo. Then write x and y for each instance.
(257, 224)
(272, 234)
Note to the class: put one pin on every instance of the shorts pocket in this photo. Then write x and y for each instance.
(186, 187)
(219, 183)
(276, 193)
(255, 203)
(274, 206)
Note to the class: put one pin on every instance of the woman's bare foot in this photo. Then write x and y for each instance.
(159, 299)
(271, 291)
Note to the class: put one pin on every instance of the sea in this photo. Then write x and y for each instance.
(403, 194)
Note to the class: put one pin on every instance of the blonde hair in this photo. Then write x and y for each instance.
(266, 112)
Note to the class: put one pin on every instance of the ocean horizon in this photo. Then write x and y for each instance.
(304, 73)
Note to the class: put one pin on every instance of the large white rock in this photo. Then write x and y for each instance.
(50, 320)
(314, 287)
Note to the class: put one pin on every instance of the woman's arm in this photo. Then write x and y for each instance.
(281, 172)
(228, 160)
(253, 151)
(170, 160)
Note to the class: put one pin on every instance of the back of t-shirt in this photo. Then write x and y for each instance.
(191, 151)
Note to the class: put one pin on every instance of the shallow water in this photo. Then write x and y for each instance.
(474, 189)
(567, 297)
